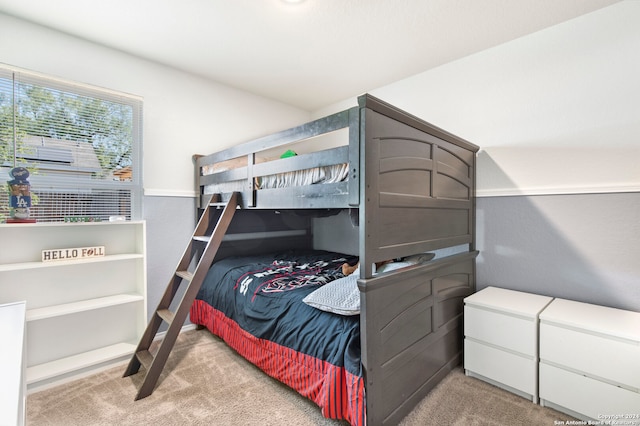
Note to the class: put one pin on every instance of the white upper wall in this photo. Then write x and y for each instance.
(183, 114)
(557, 111)
(553, 112)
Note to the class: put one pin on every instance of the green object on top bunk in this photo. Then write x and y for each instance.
(288, 153)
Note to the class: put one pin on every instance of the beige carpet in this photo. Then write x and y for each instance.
(206, 383)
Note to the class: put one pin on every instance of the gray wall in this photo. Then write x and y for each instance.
(336, 233)
(580, 247)
(170, 224)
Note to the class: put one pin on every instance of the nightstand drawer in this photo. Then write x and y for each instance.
(515, 371)
(613, 359)
(504, 330)
(560, 388)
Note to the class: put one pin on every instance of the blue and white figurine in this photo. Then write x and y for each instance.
(20, 193)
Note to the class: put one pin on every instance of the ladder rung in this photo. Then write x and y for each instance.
(221, 205)
(145, 358)
(185, 274)
(166, 315)
(202, 238)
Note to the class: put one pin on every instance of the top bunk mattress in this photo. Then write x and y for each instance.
(315, 175)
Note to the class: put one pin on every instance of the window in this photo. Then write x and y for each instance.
(80, 144)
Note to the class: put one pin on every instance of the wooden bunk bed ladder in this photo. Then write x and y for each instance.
(154, 364)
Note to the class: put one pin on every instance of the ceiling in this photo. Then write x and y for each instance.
(310, 54)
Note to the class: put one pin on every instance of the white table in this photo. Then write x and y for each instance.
(12, 363)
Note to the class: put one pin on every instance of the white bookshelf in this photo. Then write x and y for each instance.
(82, 314)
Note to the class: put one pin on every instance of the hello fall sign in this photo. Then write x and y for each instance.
(72, 253)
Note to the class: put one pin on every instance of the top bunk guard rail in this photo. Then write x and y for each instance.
(291, 164)
(308, 130)
(332, 195)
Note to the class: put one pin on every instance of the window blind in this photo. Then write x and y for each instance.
(81, 144)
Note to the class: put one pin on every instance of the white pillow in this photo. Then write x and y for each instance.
(407, 261)
(387, 267)
(340, 296)
(419, 258)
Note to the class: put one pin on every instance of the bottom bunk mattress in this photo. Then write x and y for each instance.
(255, 304)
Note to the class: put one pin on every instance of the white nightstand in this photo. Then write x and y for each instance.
(501, 339)
(590, 361)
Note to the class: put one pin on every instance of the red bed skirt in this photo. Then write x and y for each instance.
(338, 393)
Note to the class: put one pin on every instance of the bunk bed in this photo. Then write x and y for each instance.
(408, 188)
